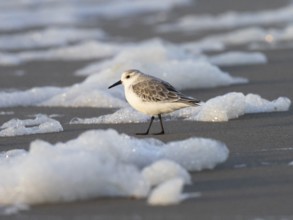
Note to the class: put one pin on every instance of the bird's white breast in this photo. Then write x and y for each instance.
(150, 108)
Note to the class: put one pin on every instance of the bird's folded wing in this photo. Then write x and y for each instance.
(160, 91)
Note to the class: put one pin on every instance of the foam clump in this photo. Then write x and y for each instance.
(123, 115)
(236, 37)
(158, 58)
(29, 97)
(40, 124)
(221, 108)
(229, 20)
(255, 104)
(12, 153)
(163, 170)
(233, 105)
(75, 96)
(167, 193)
(195, 155)
(82, 51)
(22, 14)
(170, 193)
(48, 37)
(6, 113)
(238, 58)
(163, 60)
(254, 37)
(99, 163)
(88, 95)
(13, 209)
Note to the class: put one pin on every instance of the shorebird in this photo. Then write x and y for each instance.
(152, 96)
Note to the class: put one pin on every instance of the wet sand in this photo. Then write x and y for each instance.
(255, 182)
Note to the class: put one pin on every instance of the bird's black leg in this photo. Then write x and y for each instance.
(162, 128)
(147, 132)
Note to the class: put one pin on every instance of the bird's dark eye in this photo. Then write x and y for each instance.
(128, 76)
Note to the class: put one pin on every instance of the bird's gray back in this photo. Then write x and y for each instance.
(151, 89)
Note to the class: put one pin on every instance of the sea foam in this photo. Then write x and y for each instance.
(82, 51)
(244, 36)
(23, 14)
(93, 165)
(229, 20)
(40, 124)
(233, 105)
(163, 60)
(170, 193)
(29, 97)
(48, 37)
(156, 57)
(221, 108)
(233, 58)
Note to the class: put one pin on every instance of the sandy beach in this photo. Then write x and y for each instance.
(254, 183)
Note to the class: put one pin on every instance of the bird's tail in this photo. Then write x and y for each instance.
(191, 101)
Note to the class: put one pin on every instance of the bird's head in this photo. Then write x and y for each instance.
(127, 78)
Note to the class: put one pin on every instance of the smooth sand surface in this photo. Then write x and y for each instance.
(255, 182)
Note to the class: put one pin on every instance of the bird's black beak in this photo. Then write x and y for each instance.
(115, 84)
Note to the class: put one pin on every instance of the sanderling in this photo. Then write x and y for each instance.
(152, 96)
